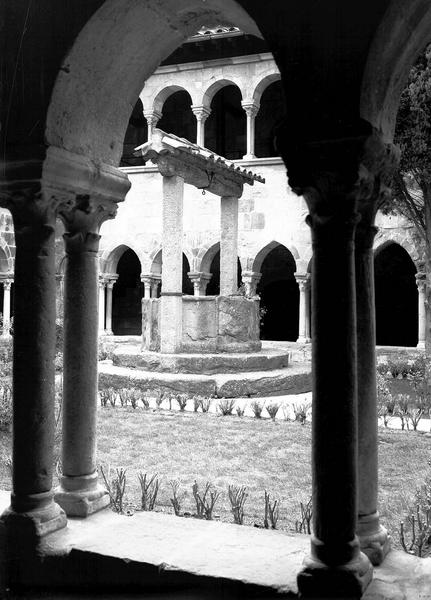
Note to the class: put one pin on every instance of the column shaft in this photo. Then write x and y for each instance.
(373, 538)
(109, 287)
(421, 282)
(33, 373)
(303, 284)
(6, 308)
(101, 311)
(172, 270)
(80, 493)
(229, 246)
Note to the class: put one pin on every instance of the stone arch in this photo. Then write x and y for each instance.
(95, 87)
(127, 292)
(163, 94)
(111, 255)
(206, 256)
(402, 34)
(270, 76)
(383, 240)
(156, 266)
(6, 259)
(263, 253)
(216, 86)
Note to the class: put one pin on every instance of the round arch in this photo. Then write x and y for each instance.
(402, 34)
(157, 265)
(266, 79)
(263, 253)
(127, 291)
(207, 256)
(396, 296)
(166, 92)
(111, 255)
(6, 259)
(215, 87)
(98, 86)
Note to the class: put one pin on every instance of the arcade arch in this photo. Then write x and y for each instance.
(225, 127)
(177, 116)
(268, 117)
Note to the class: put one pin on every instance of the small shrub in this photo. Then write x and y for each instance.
(105, 350)
(301, 411)
(124, 396)
(399, 366)
(271, 512)
(237, 498)
(144, 398)
(160, 394)
(286, 412)
(303, 525)
(385, 401)
(116, 488)
(206, 404)
(177, 498)
(402, 410)
(257, 408)
(226, 406)
(205, 502)
(272, 409)
(182, 401)
(382, 368)
(240, 410)
(5, 407)
(418, 524)
(196, 403)
(149, 490)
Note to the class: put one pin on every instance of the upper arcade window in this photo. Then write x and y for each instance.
(225, 128)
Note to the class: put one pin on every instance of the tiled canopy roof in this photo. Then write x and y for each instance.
(217, 171)
(218, 30)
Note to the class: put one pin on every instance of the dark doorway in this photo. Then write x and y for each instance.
(279, 296)
(396, 297)
(126, 296)
(213, 287)
(178, 117)
(225, 128)
(271, 112)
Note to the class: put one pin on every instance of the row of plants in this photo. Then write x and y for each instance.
(204, 500)
(415, 531)
(135, 397)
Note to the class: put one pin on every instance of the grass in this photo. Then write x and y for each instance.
(259, 454)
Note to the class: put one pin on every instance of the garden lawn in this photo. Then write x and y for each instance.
(258, 453)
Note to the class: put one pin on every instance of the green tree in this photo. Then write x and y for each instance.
(412, 181)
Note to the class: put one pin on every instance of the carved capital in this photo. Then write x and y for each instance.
(152, 117)
(421, 281)
(81, 241)
(250, 108)
(201, 112)
(303, 282)
(7, 284)
(88, 214)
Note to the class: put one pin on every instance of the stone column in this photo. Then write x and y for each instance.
(152, 117)
(201, 113)
(200, 280)
(155, 285)
(101, 311)
(80, 493)
(172, 270)
(147, 280)
(372, 536)
(33, 512)
(251, 110)
(6, 307)
(303, 282)
(250, 280)
(421, 285)
(109, 286)
(229, 246)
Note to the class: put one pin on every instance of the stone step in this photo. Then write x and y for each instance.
(295, 379)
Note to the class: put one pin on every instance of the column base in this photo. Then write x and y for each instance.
(108, 332)
(374, 540)
(348, 581)
(36, 522)
(303, 340)
(421, 345)
(248, 157)
(81, 496)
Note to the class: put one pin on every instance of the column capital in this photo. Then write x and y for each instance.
(151, 278)
(7, 283)
(346, 175)
(303, 281)
(111, 279)
(199, 276)
(152, 117)
(81, 241)
(250, 280)
(250, 107)
(102, 281)
(201, 112)
(88, 214)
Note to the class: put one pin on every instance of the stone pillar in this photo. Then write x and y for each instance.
(229, 246)
(251, 110)
(421, 285)
(201, 113)
(303, 282)
(33, 512)
(200, 280)
(372, 536)
(80, 493)
(59, 295)
(172, 270)
(155, 285)
(147, 280)
(101, 311)
(250, 280)
(6, 307)
(109, 286)
(152, 117)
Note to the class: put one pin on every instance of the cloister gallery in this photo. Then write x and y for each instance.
(88, 82)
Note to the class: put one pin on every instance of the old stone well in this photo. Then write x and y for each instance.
(197, 344)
